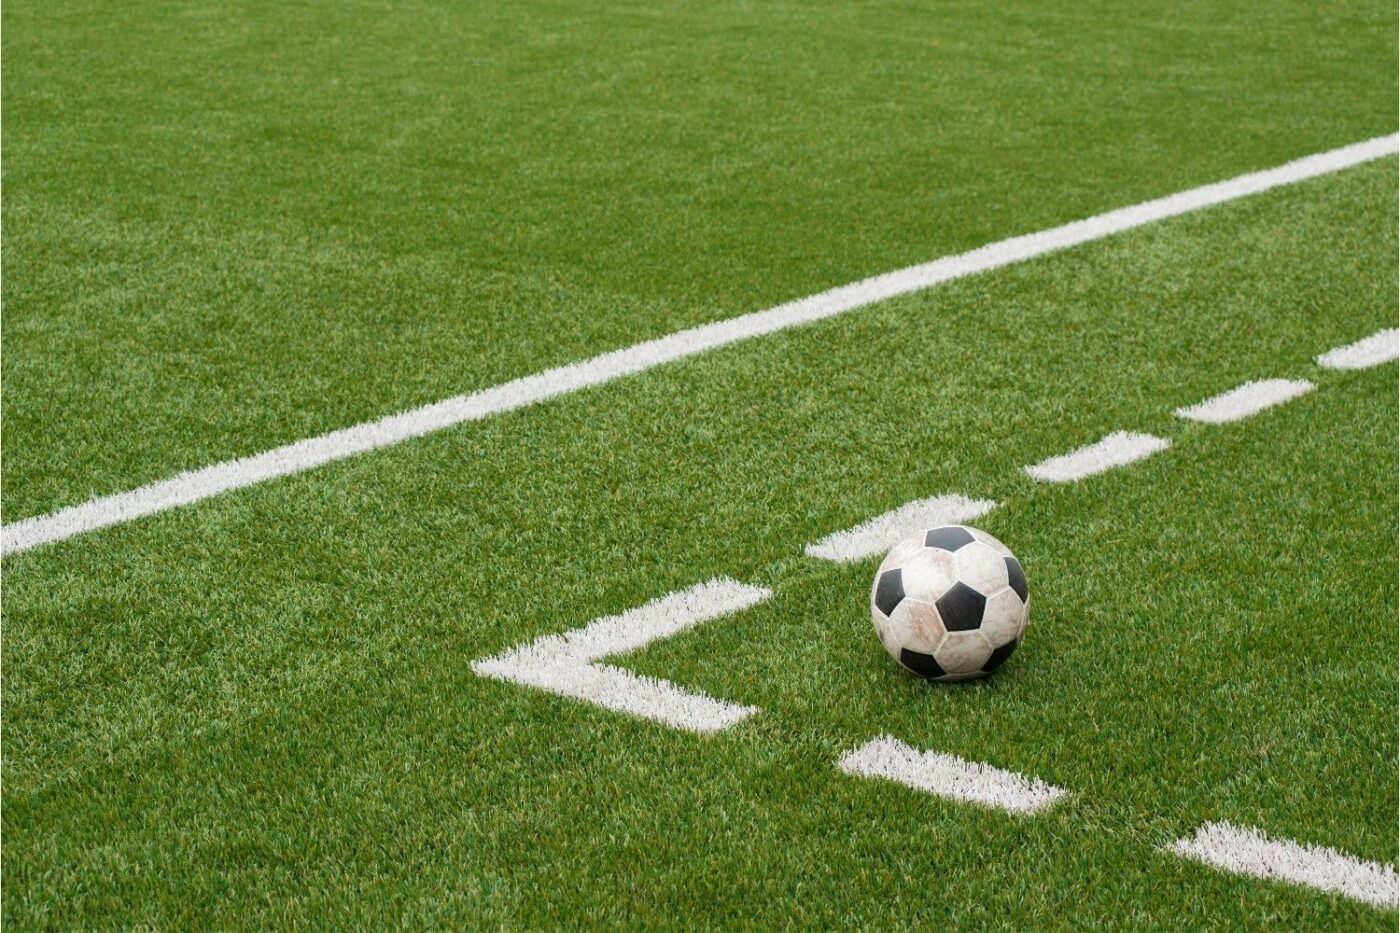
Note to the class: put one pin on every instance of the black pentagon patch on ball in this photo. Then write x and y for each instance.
(1000, 655)
(949, 538)
(1017, 576)
(889, 591)
(961, 608)
(922, 664)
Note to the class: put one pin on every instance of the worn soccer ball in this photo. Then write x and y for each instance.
(950, 603)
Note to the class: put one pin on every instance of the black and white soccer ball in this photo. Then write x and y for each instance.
(950, 603)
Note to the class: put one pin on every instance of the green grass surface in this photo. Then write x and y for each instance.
(226, 230)
(230, 227)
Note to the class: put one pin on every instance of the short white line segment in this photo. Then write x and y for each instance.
(884, 531)
(949, 776)
(1245, 400)
(1245, 851)
(564, 664)
(1381, 347)
(1117, 449)
(297, 457)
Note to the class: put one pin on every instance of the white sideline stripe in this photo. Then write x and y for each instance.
(1245, 400)
(1117, 449)
(949, 776)
(1380, 347)
(1246, 851)
(885, 531)
(563, 664)
(195, 485)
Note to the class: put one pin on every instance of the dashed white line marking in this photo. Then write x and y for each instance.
(1246, 851)
(884, 531)
(1117, 449)
(1381, 347)
(196, 485)
(564, 664)
(950, 776)
(1245, 400)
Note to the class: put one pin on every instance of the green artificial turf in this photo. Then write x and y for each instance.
(232, 227)
(259, 710)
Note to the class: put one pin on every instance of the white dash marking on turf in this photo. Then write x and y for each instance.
(1117, 449)
(884, 531)
(1246, 851)
(565, 664)
(1381, 347)
(195, 485)
(1245, 400)
(950, 776)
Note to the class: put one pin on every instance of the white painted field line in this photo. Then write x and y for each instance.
(1380, 347)
(1117, 449)
(884, 531)
(1245, 400)
(949, 776)
(565, 664)
(195, 485)
(1246, 851)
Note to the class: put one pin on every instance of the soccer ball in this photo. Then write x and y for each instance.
(950, 603)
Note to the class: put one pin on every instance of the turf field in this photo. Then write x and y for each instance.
(230, 228)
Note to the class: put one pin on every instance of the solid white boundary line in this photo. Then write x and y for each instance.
(1380, 347)
(564, 664)
(949, 776)
(1117, 449)
(1245, 400)
(1245, 851)
(196, 485)
(885, 531)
